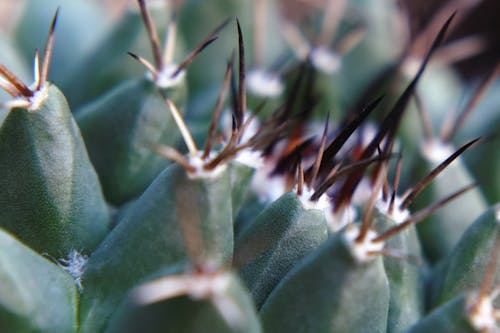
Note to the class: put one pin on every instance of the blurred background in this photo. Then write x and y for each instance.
(480, 19)
(354, 44)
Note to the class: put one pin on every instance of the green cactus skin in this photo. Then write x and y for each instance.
(240, 176)
(448, 318)
(328, 291)
(51, 197)
(186, 314)
(35, 294)
(251, 208)
(283, 234)
(465, 267)
(119, 129)
(406, 305)
(451, 221)
(148, 237)
(195, 225)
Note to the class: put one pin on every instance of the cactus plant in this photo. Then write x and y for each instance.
(113, 219)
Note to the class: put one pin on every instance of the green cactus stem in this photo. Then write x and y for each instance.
(464, 268)
(279, 237)
(472, 310)
(213, 302)
(406, 305)
(119, 129)
(149, 236)
(52, 198)
(330, 291)
(35, 294)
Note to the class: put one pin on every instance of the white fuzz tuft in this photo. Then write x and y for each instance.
(166, 78)
(38, 98)
(367, 249)
(397, 215)
(264, 84)
(436, 151)
(321, 204)
(74, 265)
(33, 103)
(325, 60)
(200, 171)
(251, 128)
(335, 221)
(481, 313)
(250, 158)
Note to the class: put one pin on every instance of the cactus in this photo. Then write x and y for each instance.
(263, 198)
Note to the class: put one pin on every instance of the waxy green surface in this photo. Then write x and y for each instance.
(51, 197)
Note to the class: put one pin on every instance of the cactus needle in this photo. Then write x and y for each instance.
(241, 78)
(331, 20)
(391, 121)
(171, 35)
(16, 83)
(335, 146)
(190, 57)
(8, 87)
(172, 154)
(413, 192)
(36, 69)
(300, 176)
(368, 213)
(47, 53)
(395, 186)
(218, 109)
(149, 66)
(181, 124)
(422, 214)
(152, 33)
(199, 48)
(319, 155)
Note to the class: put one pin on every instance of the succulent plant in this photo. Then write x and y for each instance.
(251, 192)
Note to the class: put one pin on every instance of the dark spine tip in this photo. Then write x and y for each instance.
(152, 33)
(241, 76)
(133, 55)
(415, 191)
(54, 20)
